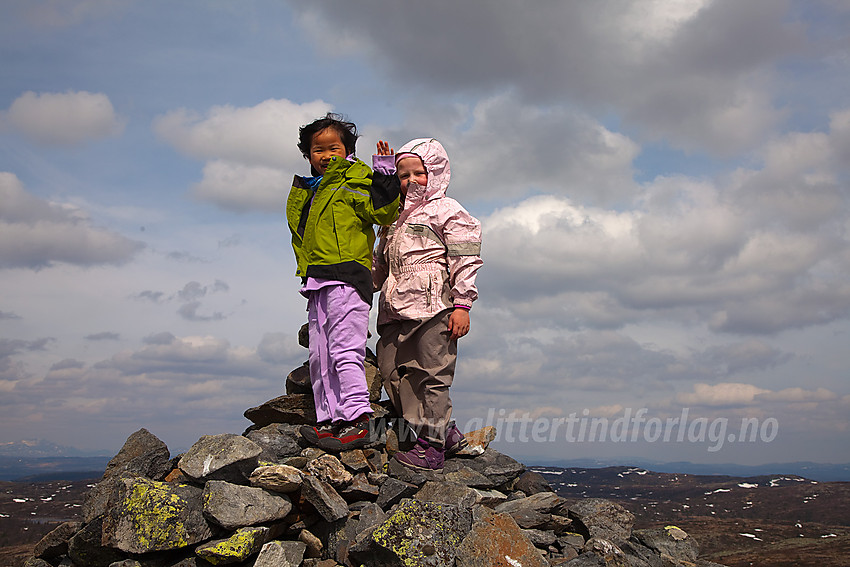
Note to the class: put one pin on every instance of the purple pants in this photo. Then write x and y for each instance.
(338, 323)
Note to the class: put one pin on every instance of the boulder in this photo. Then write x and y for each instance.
(292, 408)
(233, 506)
(496, 539)
(221, 457)
(279, 478)
(416, 533)
(148, 515)
(599, 518)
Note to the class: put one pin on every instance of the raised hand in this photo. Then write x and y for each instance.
(384, 148)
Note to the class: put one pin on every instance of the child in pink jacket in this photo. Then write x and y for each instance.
(425, 266)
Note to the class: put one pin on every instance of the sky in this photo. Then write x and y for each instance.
(663, 187)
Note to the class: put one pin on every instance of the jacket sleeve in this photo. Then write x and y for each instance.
(380, 269)
(376, 197)
(462, 236)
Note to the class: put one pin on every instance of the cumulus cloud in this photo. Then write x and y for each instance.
(757, 252)
(64, 119)
(725, 394)
(35, 233)
(664, 65)
(103, 336)
(250, 152)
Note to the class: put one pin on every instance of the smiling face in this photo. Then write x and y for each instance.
(409, 169)
(325, 145)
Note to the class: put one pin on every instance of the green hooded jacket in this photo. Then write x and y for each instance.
(332, 233)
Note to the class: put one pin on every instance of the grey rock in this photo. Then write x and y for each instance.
(327, 501)
(599, 518)
(293, 408)
(496, 539)
(532, 512)
(540, 538)
(447, 493)
(360, 489)
(281, 554)
(148, 516)
(55, 543)
(85, 547)
(491, 498)
(355, 460)
(233, 506)
(279, 478)
(532, 482)
(456, 471)
(36, 562)
(668, 542)
(221, 457)
(393, 490)
(500, 469)
(279, 441)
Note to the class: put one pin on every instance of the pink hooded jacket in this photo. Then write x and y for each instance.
(429, 259)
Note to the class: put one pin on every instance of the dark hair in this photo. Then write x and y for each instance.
(347, 132)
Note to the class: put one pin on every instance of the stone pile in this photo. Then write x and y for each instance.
(267, 499)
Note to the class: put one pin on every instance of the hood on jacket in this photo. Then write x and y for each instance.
(436, 161)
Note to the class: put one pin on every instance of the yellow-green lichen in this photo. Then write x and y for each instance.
(237, 547)
(155, 513)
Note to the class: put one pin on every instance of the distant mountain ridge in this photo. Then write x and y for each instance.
(35, 448)
(821, 472)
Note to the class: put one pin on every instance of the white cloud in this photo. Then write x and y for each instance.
(64, 119)
(35, 233)
(725, 394)
(250, 152)
(243, 188)
(261, 135)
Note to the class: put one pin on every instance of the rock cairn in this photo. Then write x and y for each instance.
(267, 499)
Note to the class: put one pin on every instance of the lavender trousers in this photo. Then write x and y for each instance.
(338, 324)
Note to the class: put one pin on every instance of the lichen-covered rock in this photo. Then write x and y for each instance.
(496, 539)
(417, 533)
(143, 454)
(281, 554)
(237, 548)
(327, 501)
(280, 478)
(148, 515)
(233, 506)
(221, 457)
(599, 518)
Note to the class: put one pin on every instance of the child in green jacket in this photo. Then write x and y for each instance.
(331, 216)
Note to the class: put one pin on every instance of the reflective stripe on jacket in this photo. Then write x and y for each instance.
(430, 256)
(332, 233)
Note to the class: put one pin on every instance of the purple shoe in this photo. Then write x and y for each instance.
(423, 457)
(455, 441)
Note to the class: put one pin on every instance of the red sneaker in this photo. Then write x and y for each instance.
(312, 433)
(350, 435)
